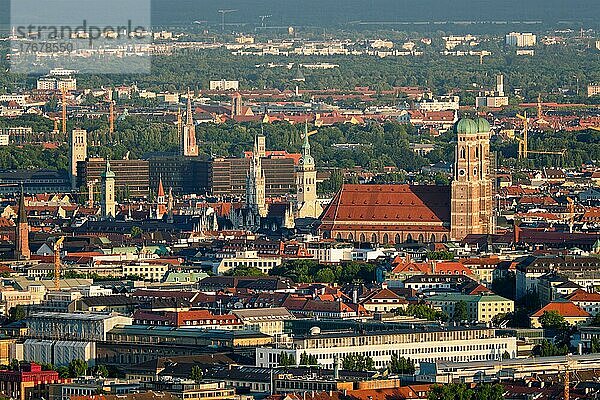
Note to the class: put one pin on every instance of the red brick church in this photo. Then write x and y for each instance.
(424, 213)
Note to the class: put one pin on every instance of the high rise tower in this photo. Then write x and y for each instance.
(306, 183)
(22, 251)
(255, 181)
(189, 148)
(78, 152)
(500, 85)
(471, 202)
(108, 193)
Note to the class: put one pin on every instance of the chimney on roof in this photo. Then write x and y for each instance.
(517, 232)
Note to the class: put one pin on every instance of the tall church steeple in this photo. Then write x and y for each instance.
(108, 206)
(306, 182)
(22, 251)
(471, 202)
(189, 148)
(255, 181)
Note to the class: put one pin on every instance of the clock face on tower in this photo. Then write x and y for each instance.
(461, 172)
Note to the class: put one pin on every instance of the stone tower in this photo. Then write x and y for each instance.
(189, 148)
(306, 183)
(255, 182)
(471, 198)
(22, 251)
(108, 193)
(78, 152)
(236, 105)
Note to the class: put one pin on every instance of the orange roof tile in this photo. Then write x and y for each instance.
(564, 308)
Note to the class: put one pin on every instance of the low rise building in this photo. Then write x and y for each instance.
(269, 321)
(572, 314)
(494, 371)
(247, 259)
(73, 326)
(30, 382)
(421, 344)
(480, 308)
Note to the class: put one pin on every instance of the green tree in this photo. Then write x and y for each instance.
(547, 349)
(100, 370)
(15, 365)
(136, 232)
(287, 360)
(357, 362)
(401, 365)
(595, 345)
(17, 313)
(325, 275)
(553, 320)
(460, 311)
(196, 373)
(422, 311)
(77, 368)
(246, 271)
(459, 391)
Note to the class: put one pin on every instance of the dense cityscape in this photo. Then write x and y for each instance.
(252, 207)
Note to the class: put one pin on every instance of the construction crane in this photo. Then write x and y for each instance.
(57, 245)
(571, 211)
(524, 151)
(569, 364)
(262, 19)
(223, 12)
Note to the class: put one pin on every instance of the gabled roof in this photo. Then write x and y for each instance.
(416, 204)
(564, 307)
(581, 295)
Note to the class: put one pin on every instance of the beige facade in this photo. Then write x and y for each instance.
(480, 308)
(471, 200)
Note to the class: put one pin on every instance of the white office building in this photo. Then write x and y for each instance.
(455, 344)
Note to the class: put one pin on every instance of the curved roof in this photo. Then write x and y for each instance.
(483, 126)
(466, 125)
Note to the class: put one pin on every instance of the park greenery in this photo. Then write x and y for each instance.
(459, 391)
(401, 365)
(358, 362)
(375, 145)
(422, 311)
(547, 348)
(286, 360)
(310, 271)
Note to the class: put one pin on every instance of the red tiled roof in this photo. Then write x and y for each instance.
(564, 308)
(393, 204)
(582, 295)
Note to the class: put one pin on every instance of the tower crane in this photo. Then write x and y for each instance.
(571, 211)
(223, 12)
(57, 266)
(524, 151)
(262, 19)
(569, 364)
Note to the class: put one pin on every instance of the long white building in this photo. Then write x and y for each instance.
(421, 344)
